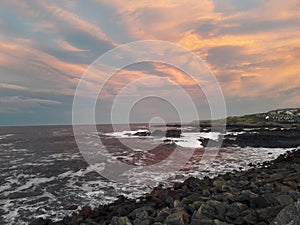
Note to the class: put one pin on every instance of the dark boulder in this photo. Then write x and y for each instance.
(178, 216)
(212, 209)
(142, 133)
(120, 221)
(235, 210)
(289, 215)
(173, 133)
(41, 221)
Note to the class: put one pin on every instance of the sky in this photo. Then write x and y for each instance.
(251, 46)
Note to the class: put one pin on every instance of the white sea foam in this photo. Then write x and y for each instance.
(187, 139)
(4, 136)
(30, 183)
(125, 134)
(85, 189)
(10, 215)
(20, 150)
(6, 145)
(235, 133)
(250, 129)
(210, 135)
(94, 192)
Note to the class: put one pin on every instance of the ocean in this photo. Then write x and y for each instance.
(43, 173)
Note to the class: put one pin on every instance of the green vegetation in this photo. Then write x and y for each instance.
(281, 117)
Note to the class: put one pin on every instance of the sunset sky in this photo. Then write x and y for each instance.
(252, 46)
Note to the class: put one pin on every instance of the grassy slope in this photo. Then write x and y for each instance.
(253, 120)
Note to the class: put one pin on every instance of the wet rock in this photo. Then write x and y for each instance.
(259, 196)
(267, 140)
(219, 182)
(226, 188)
(178, 217)
(179, 194)
(120, 221)
(284, 199)
(203, 221)
(208, 222)
(292, 177)
(142, 222)
(41, 221)
(89, 222)
(295, 195)
(173, 133)
(197, 196)
(291, 184)
(73, 207)
(206, 192)
(245, 196)
(142, 218)
(276, 177)
(268, 214)
(170, 133)
(235, 210)
(163, 214)
(195, 206)
(212, 209)
(263, 201)
(224, 197)
(290, 215)
(156, 203)
(139, 212)
(85, 212)
(252, 217)
(142, 133)
(184, 203)
(195, 184)
(282, 187)
(218, 222)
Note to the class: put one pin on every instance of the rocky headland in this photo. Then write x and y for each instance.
(266, 194)
(260, 137)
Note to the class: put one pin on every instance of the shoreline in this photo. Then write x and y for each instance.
(266, 194)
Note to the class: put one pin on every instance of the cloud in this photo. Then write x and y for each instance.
(292, 92)
(252, 46)
(47, 46)
(13, 87)
(15, 104)
(162, 20)
(68, 47)
(227, 56)
(231, 6)
(36, 69)
(247, 42)
(71, 20)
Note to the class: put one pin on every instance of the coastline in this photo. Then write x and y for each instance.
(266, 194)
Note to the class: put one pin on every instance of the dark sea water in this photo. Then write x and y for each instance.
(42, 172)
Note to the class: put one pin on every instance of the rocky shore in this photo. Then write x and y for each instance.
(266, 194)
(258, 137)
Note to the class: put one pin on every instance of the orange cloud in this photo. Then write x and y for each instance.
(13, 87)
(162, 20)
(68, 47)
(75, 21)
(267, 33)
(250, 51)
(40, 65)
